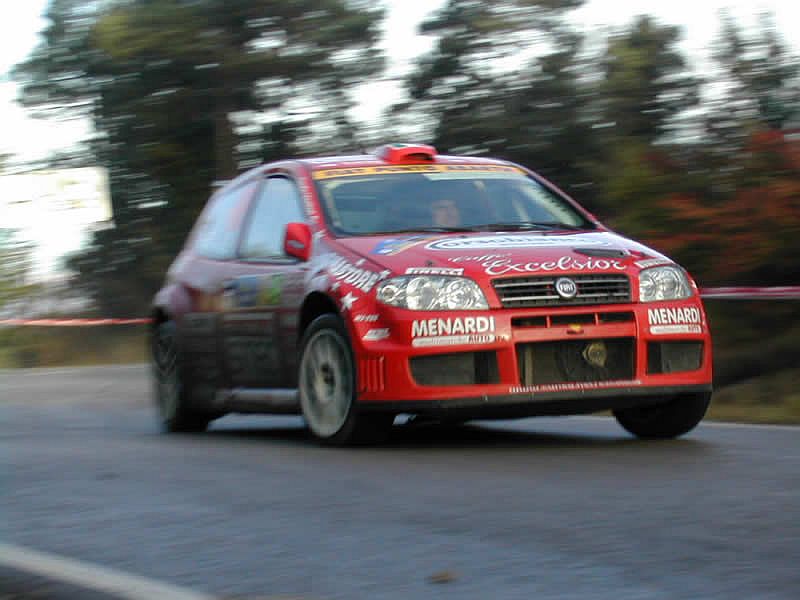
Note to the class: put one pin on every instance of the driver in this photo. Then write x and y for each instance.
(445, 213)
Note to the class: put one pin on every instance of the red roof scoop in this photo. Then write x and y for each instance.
(406, 153)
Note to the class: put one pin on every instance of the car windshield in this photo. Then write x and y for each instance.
(366, 201)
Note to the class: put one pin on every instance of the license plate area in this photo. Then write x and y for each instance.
(576, 361)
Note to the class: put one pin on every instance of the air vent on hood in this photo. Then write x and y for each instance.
(601, 252)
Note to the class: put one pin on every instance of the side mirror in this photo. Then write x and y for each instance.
(297, 241)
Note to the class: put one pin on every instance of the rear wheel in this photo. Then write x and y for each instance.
(669, 420)
(327, 386)
(172, 395)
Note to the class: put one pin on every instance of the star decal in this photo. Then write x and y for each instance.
(334, 286)
(385, 274)
(348, 301)
(359, 262)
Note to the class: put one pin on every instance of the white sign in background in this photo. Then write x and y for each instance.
(54, 209)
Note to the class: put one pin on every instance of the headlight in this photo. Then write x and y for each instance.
(428, 292)
(663, 283)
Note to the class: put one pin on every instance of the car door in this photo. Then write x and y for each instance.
(261, 310)
(207, 265)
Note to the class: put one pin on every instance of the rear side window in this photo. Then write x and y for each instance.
(218, 232)
(277, 204)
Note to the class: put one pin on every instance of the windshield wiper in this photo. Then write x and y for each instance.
(424, 230)
(526, 226)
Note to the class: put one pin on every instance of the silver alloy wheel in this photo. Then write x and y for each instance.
(326, 382)
(165, 365)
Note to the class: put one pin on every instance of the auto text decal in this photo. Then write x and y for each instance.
(452, 331)
(674, 320)
(391, 169)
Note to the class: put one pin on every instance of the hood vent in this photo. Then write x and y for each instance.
(602, 252)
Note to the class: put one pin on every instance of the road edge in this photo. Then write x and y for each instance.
(93, 577)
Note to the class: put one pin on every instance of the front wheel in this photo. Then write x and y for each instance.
(669, 420)
(327, 385)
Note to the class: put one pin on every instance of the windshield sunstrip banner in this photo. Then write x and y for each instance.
(392, 169)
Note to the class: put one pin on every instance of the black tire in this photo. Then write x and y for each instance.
(327, 385)
(664, 421)
(171, 393)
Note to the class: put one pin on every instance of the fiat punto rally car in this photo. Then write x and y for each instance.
(352, 289)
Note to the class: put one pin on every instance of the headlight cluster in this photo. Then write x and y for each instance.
(428, 292)
(663, 283)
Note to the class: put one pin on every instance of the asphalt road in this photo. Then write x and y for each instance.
(539, 508)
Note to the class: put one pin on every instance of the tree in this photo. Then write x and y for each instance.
(759, 73)
(458, 79)
(180, 94)
(645, 82)
(505, 79)
(643, 90)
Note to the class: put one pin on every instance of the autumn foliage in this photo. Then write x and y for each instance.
(752, 233)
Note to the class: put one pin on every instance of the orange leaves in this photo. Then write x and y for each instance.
(752, 233)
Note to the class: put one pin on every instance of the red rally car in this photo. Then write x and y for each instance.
(352, 289)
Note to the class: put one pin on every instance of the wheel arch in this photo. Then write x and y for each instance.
(315, 305)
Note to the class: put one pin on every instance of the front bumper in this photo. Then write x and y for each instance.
(386, 380)
(509, 406)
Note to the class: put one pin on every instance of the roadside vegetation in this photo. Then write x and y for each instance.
(698, 157)
(755, 356)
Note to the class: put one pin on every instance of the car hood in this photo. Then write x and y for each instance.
(483, 255)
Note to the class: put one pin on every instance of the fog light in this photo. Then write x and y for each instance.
(595, 354)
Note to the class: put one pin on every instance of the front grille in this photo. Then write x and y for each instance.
(527, 292)
(577, 361)
(592, 318)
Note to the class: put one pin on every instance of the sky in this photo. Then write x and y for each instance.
(27, 138)
(30, 138)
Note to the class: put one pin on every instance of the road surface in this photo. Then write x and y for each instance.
(538, 508)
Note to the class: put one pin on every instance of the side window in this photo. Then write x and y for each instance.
(276, 205)
(219, 230)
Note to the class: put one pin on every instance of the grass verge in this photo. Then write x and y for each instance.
(757, 370)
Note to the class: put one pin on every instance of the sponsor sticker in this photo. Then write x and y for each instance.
(504, 266)
(434, 271)
(489, 242)
(674, 320)
(452, 331)
(567, 387)
(479, 259)
(366, 318)
(353, 275)
(392, 169)
(251, 291)
(375, 335)
(397, 245)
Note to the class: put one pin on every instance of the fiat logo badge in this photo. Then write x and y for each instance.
(566, 288)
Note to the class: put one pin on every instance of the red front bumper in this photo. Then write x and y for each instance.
(385, 373)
